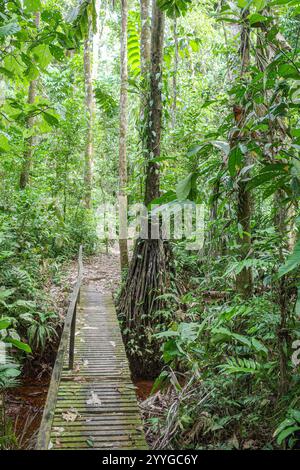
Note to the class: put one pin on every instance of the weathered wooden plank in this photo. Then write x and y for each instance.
(98, 390)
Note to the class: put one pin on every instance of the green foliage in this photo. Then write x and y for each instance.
(174, 8)
(287, 430)
(106, 101)
(292, 261)
(133, 43)
(79, 17)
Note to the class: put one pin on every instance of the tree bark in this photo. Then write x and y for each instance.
(145, 54)
(284, 215)
(89, 102)
(155, 106)
(29, 143)
(244, 203)
(150, 268)
(145, 44)
(122, 141)
(175, 71)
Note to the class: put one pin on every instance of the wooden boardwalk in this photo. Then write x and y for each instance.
(96, 405)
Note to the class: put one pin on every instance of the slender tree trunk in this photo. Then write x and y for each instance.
(175, 71)
(284, 216)
(29, 143)
(145, 53)
(122, 142)
(155, 107)
(89, 101)
(244, 203)
(145, 44)
(150, 268)
(214, 243)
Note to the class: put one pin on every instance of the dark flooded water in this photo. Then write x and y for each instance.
(144, 388)
(24, 408)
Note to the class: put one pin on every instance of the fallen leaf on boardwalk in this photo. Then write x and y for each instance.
(113, 343)
(90, 442)
(59, 430)
(50, 446)
(85, 363)
(94, 400)
(57, 443)
(70, 415)
(139, 428)
(79, 378)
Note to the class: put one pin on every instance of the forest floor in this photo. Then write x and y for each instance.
(25, 403)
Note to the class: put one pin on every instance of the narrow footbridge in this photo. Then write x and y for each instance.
(91, 403)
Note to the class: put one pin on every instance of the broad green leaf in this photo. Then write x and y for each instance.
(274, 3)
(164, 198)
(286, 433)
(259, 4)
(292, 261)
(4, 324)
(32, 6)
(242, 3)
(18, 344)
(234, 160)
(51, 118)
(10, 372)
(14, 64)
(257, 19)
(288, 71)
(174, 8)
(195, 149)
(57, 52)
(260, 179)
(42, 55)
(184, 187)
(4, 143)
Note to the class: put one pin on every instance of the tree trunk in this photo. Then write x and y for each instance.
(145, 45)
(122, 142)
(150, 268)
(174, 102)
(214, 243)
(155, 106)
(244, 204)
(284, 215)
(29, 143)
(89, 101)
(145, 53)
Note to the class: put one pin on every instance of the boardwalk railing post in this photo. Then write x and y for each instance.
(72, 339)
(67, 337)
(73, 324)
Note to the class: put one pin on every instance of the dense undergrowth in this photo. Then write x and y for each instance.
(35, 244)
(220, 383)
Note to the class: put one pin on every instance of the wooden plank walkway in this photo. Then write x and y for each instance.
(96, 405)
